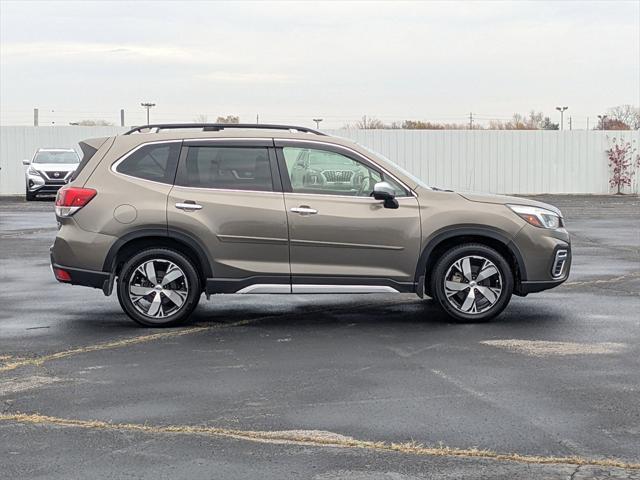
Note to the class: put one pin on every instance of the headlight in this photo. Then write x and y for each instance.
(33, 171)
(538, 217)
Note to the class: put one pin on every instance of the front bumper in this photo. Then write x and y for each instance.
(38, 184)
(547, 266)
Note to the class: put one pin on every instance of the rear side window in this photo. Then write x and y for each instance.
(230, 168)
(157, 162)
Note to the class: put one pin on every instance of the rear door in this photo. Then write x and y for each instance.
(228, 194)
(341, 239)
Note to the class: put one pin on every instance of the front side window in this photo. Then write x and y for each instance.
(324, 172)
(229, 168)
(57, 157)
(156, 162)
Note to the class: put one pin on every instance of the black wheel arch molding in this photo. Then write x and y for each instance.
(189, 241)
(475, 232)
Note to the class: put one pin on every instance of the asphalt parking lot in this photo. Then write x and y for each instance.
(323, 387)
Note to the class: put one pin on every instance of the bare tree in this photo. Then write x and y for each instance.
(626, 114)
(533, 121)
(228, 119)
(201, 118)
(92, 123)
(370, 123)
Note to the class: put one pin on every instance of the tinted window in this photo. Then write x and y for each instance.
(325, 172)
(231, 168)
(58, 157)
(153, 162)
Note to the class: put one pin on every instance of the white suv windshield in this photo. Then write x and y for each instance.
(56, 157)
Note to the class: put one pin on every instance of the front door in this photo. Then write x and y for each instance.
(227, 196)
(341, 239)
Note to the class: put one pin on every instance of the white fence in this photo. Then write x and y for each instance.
(482, 160)
(497, 161)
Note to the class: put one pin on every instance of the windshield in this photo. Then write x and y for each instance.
(397, 167)
(56, 157)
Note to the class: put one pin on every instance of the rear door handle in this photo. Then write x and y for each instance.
(188, 205)
(304, 210)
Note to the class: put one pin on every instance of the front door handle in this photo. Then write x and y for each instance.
(304, 210)
(188, 205)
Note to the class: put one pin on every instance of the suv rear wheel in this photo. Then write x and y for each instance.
(472, 282)
(158, 287)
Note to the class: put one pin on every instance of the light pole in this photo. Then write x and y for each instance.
(148, 107)
(317, 120)
(561, 110)
(602, 118)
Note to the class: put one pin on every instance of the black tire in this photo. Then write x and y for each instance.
(189, 281)
(29, 196)
(486, 309)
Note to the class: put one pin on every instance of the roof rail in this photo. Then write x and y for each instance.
(216, 127)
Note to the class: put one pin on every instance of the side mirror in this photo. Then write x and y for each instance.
(26, 162)
(384, 191)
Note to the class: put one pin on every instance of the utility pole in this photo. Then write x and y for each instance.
(317, 120)
(122, 117)
(35, 117)
(602, 119)
(570, 124)
(364, 121)
(587, 123)
(257, 118)
(561, 110)
(148, 106)
(470, 121)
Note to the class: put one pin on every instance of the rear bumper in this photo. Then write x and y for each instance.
(87, 278)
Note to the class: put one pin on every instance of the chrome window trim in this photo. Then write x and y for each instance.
(367, 160)
(272, 192)
(229, 139)
(373, 200)
(114, 165)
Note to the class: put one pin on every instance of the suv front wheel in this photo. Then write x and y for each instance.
(158, 287)
(472, 282)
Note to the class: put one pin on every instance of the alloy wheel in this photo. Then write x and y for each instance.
(473, 284)
(158, 288)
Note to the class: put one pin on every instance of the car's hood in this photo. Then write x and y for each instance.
(55, 167)
(505, 199)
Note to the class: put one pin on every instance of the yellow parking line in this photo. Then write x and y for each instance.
(602, 281)
(36, 361)
(321, 439)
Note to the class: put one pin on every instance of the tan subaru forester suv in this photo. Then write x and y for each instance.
(167, 212)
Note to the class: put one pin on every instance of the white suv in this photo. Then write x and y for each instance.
(50, 169)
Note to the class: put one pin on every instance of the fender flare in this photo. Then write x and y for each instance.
(461, 230)
(174, 234)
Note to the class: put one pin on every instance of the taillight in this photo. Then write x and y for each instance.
(71, 199)
(61, 275)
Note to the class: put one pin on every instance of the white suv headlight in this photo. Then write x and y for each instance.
(538, 217)
(33, 171)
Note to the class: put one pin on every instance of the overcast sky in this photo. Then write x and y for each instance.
(290, 62)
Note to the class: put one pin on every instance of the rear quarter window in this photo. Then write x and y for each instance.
(157, 162)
